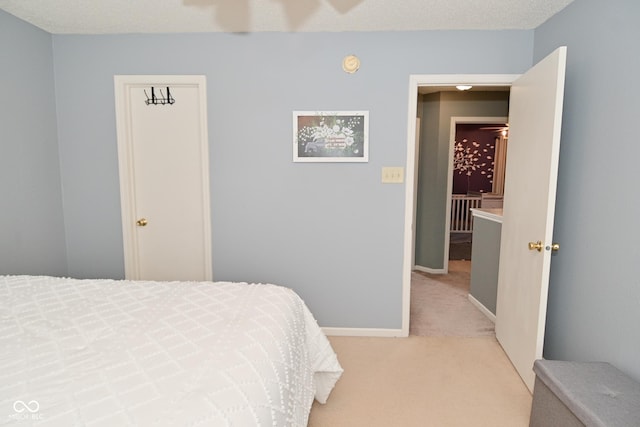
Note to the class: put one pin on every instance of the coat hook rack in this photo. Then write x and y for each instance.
(159, 100)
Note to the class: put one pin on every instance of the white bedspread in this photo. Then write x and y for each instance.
(117, 353)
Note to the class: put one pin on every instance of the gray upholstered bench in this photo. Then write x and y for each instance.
(568, 394)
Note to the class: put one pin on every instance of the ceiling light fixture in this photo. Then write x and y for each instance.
(464, 87)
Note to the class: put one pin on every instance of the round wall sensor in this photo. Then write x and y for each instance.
(350, 64)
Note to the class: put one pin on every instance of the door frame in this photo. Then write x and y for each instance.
(416, 81)
(455, 120)
(122, 84)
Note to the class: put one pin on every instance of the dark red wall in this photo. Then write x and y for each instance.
(474, 155)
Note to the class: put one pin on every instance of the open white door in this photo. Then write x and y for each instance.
(535, 116)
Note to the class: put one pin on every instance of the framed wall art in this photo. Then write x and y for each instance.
(330, 136)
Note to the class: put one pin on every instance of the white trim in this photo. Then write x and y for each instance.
(494, 215)
(452, 141)
(364, 332)
(365, 145)
(122, 84)
(415, 189)
(416, 81)
(430, 270)
(482, 308)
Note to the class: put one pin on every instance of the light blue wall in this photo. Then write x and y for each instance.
(31, 222)
(594, 297)
(332, 232)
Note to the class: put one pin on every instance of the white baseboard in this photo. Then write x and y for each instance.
(430, 270)
(482, 308)
(363, 332)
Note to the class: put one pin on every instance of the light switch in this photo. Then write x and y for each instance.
(392, 175)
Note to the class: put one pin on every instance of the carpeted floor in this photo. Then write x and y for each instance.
(460, 251)
(460, 246)
(440, 305)
(423, 382)
(455, 374)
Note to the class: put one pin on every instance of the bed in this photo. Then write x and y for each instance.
(140, 353)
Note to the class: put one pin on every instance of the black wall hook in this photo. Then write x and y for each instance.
(159, 100)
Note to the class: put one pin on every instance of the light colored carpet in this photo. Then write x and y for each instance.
(451, 371)
(423, 382)
(440, 305)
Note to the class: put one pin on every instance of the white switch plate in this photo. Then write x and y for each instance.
(393, 175)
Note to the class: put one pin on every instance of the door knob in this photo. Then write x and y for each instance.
(142, 222)
(535, 246)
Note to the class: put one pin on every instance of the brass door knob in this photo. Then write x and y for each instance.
(142, 222)
(535, 246)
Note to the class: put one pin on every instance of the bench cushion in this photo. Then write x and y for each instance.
(597, 393)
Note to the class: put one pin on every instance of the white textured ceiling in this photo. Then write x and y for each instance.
(170, 16)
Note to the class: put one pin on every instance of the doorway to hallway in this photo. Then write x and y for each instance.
(440, 304)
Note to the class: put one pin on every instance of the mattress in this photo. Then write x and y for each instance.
(139, 353)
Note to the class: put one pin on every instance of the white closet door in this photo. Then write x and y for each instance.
(164, 177)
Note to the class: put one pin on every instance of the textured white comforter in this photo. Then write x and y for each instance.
(116, 353)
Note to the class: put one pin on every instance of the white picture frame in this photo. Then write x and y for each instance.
(330, 136)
